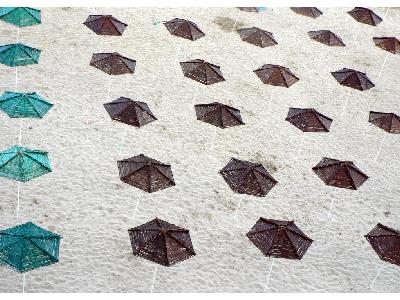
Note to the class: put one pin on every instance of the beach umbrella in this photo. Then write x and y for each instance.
(202, 71)
(23, 164)
(308, 120)
(145, 173)
(24, 105)
(257, 36)
(389, 122)
(386, 243)
(161, 242)
(28, 246)
(14, 55)
(338, 173)
(352, 78)
(113, 63)
(365, 15)
(326, 37)
(105, 25)
(184, 28)
(390, 44)
(276, 75)
(279, 239)
(218, 114)
(20, 16)
(311, 12)
(245, 177)
(130, 112)
(249, 9)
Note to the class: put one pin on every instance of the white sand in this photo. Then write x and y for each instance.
(84, 200)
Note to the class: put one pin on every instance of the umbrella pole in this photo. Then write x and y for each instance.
(301, 145)
(19, 186)
(237, 209)
(109, 88)
(154, 279)
(345, 104)
(269, 276)
(383, 64)
(330, 208)
(380, 147)
(373, 281)
(136, 208)
(23, 283)
(212, 142)
(195, 95)
(122, 142)
(177, 53)
(20, 132)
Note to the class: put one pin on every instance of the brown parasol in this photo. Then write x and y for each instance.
(311, 12)
(145, 173)
(365, 15)
(202, 71)
(354, 79)
(130, 112)
(389, 122)
(386, 243)
(280, 239)
(390, 44)
(218, 114)
(326, 37)
(245, 177)
(105, 25)
(113, 63)
(276, 75)
(161, 242)
(184, 28)
(308, 120)
(338, 173)
(249, 9)
(257, 36)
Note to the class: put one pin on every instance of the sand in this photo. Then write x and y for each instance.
(84, 200)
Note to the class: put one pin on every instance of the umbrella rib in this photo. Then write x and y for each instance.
(42, 250)
(28, 11)
(179, 242)
(39, 162)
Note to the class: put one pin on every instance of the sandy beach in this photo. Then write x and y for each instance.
(85, 201)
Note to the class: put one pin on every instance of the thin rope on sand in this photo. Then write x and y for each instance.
(154, 279)
(269, 276)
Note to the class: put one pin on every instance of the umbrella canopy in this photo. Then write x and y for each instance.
(184, 28)
(218, 114)
(15, 55)
(249, 9)
(365, 15)
(28, 246)
(311, 12)
(276, 75)
(390, 44)
(257, 36)
(113, 63)
(389, 122)
(338, 173)
(280, 239)
(24, 105)
(23, 164)
(145, 173)
(326, 37)
(161, 242)
(245, 177)
(105, 25)
(386, 243)
(354, 79)
(202, 71)
(20, 16)
(130, 112)
(308, 120)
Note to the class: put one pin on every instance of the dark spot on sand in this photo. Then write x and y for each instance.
(387, 213)
(227, 24)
